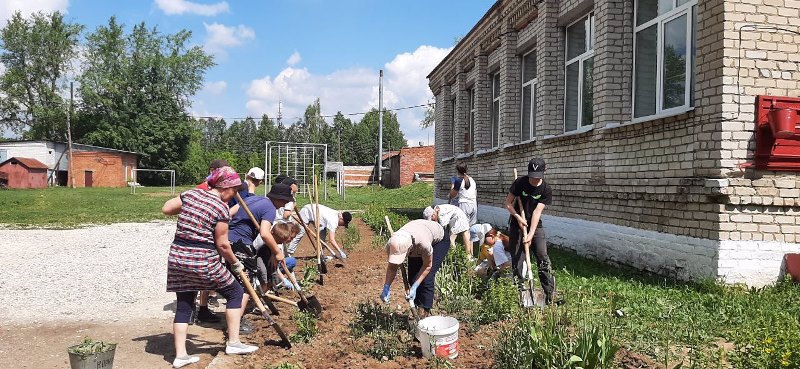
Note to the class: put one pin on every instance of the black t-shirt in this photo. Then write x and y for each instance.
(531, 196)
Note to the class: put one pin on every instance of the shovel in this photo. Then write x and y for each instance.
(264, 313)
(304, 304)
(308, 304)
(313, 239)
(404, 274)
(322, 267)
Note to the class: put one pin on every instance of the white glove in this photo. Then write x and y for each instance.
(237, 267)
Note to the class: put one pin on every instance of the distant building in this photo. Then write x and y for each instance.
(408, 165)
(23, 173)
(94, 166)
(668, 127)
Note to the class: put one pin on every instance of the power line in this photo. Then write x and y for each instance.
(322, 116)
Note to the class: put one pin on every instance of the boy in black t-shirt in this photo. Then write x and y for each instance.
(535, 194)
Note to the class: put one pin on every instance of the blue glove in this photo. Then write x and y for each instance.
(385, 294)
(412, 292)
(288, 284)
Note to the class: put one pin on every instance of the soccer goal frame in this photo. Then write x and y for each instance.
(297, 160)
(134, 178)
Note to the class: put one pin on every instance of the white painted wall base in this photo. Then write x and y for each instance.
(754, 263)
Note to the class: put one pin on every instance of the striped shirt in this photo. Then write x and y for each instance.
(200, 213)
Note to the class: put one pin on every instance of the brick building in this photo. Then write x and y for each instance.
(646, 113)
(407, 165)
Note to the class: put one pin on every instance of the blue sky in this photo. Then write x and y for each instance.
(298, 50)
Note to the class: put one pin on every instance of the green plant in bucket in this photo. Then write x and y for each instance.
(91, 347)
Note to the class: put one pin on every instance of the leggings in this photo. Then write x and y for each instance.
(427, 288)
(539, 250)
(185, 305)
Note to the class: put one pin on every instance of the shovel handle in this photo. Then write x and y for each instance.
(280, 299)
(403, 273)
(251, 291)
(246, 208)
(311, 234)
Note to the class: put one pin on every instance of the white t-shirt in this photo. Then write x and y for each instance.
(279, 214)
(329, 218)
(468, 195)
(453, 217)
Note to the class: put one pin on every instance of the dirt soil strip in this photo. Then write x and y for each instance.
(345, 286)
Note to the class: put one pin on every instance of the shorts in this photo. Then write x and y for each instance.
(459, 224)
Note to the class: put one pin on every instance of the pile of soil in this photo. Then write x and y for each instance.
(360, 279)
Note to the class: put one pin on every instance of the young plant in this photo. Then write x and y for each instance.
(456, 284)
(306, 327)
(310, 274)
(381, 333)
(284, 366)
(499, 302)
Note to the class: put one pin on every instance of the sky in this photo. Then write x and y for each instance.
(298, 50)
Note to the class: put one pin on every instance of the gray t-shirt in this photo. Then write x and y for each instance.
(425, 234)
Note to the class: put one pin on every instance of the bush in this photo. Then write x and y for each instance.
(499, 302)
(381, 333)
(306, 327)
(456, 284)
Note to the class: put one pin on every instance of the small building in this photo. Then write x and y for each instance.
(94, 166)
(23, 173)
(668, 128)
(408, 165)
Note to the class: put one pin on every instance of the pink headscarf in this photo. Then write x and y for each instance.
(224, 177)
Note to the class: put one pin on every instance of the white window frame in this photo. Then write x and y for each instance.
(660, 21)
(495, 130)
(471, 118)
(532, 83)
(580, 59)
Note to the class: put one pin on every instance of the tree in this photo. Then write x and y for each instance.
(430, 116)
(362, 140)
(135, 90)
(36, 53)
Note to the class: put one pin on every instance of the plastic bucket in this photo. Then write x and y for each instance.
(439, 335)
(103, 360)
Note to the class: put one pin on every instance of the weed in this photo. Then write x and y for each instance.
(382, 333)
(306, 327)
(284, 366)
(456, 285)
(351, 238)
(439, 363)
(499, 302)
(310, 274)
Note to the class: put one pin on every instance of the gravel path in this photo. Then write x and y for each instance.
(103, 273)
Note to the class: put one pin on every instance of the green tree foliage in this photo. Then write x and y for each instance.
(36, 52)
(135, 90)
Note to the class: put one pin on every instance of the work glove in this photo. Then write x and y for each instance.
(288, 284)
(385, 294)
(412, 292)
(237, 267)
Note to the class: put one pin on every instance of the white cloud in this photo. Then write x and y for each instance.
(216, 88)
(352, 90)
(294, 59)
(9, 7)
(173, 7)
(220, 37)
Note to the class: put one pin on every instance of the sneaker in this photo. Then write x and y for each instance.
(184, 361)
(327, 258)
(205, 315)
(245, 327)
(238, 348)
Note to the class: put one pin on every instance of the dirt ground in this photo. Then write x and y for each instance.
(147, 343)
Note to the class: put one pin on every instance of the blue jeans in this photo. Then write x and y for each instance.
(426, 290)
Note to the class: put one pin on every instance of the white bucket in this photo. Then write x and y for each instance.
(438, 334)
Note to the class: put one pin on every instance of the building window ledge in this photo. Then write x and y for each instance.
(449, 158)
(487, 151)
(464, 155)
(662, 115)
(576, 132)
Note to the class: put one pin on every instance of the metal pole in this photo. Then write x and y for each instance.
(69, 139)
(380, 125)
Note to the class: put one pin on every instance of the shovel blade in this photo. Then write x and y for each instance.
(323, 267)
(530, 298)
(311, 305)
(284, 338)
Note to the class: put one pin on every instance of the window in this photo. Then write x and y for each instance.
(580, 60)
(453, 125)
(528, 128)
(495, 110)
(471, 129)
(664, 47)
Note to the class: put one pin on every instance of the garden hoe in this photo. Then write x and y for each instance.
(308, 304)
(404, 274)
(322, 267)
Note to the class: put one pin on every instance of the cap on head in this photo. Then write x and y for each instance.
(427, 213)
(280, 178)
(397, 247)
(280, 191)
(218, 163)
(347, 217)
(256, 173)
(536, 168)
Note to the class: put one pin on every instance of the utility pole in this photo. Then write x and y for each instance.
(71, 174)
(380, 127)
(279, 112)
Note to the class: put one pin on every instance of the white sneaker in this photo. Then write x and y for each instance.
(180, 362)
(238, 348)
(327, 258)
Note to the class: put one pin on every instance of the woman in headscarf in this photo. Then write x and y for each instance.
(193, 265)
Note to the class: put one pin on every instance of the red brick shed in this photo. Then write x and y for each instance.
(404, 165)
(23, 173)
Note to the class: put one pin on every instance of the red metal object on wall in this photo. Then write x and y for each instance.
(777, 136)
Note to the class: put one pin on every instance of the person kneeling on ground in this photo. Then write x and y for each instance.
(493, 256)
(454, 218)
(194, 259)
(282, 233)
(426, 246)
